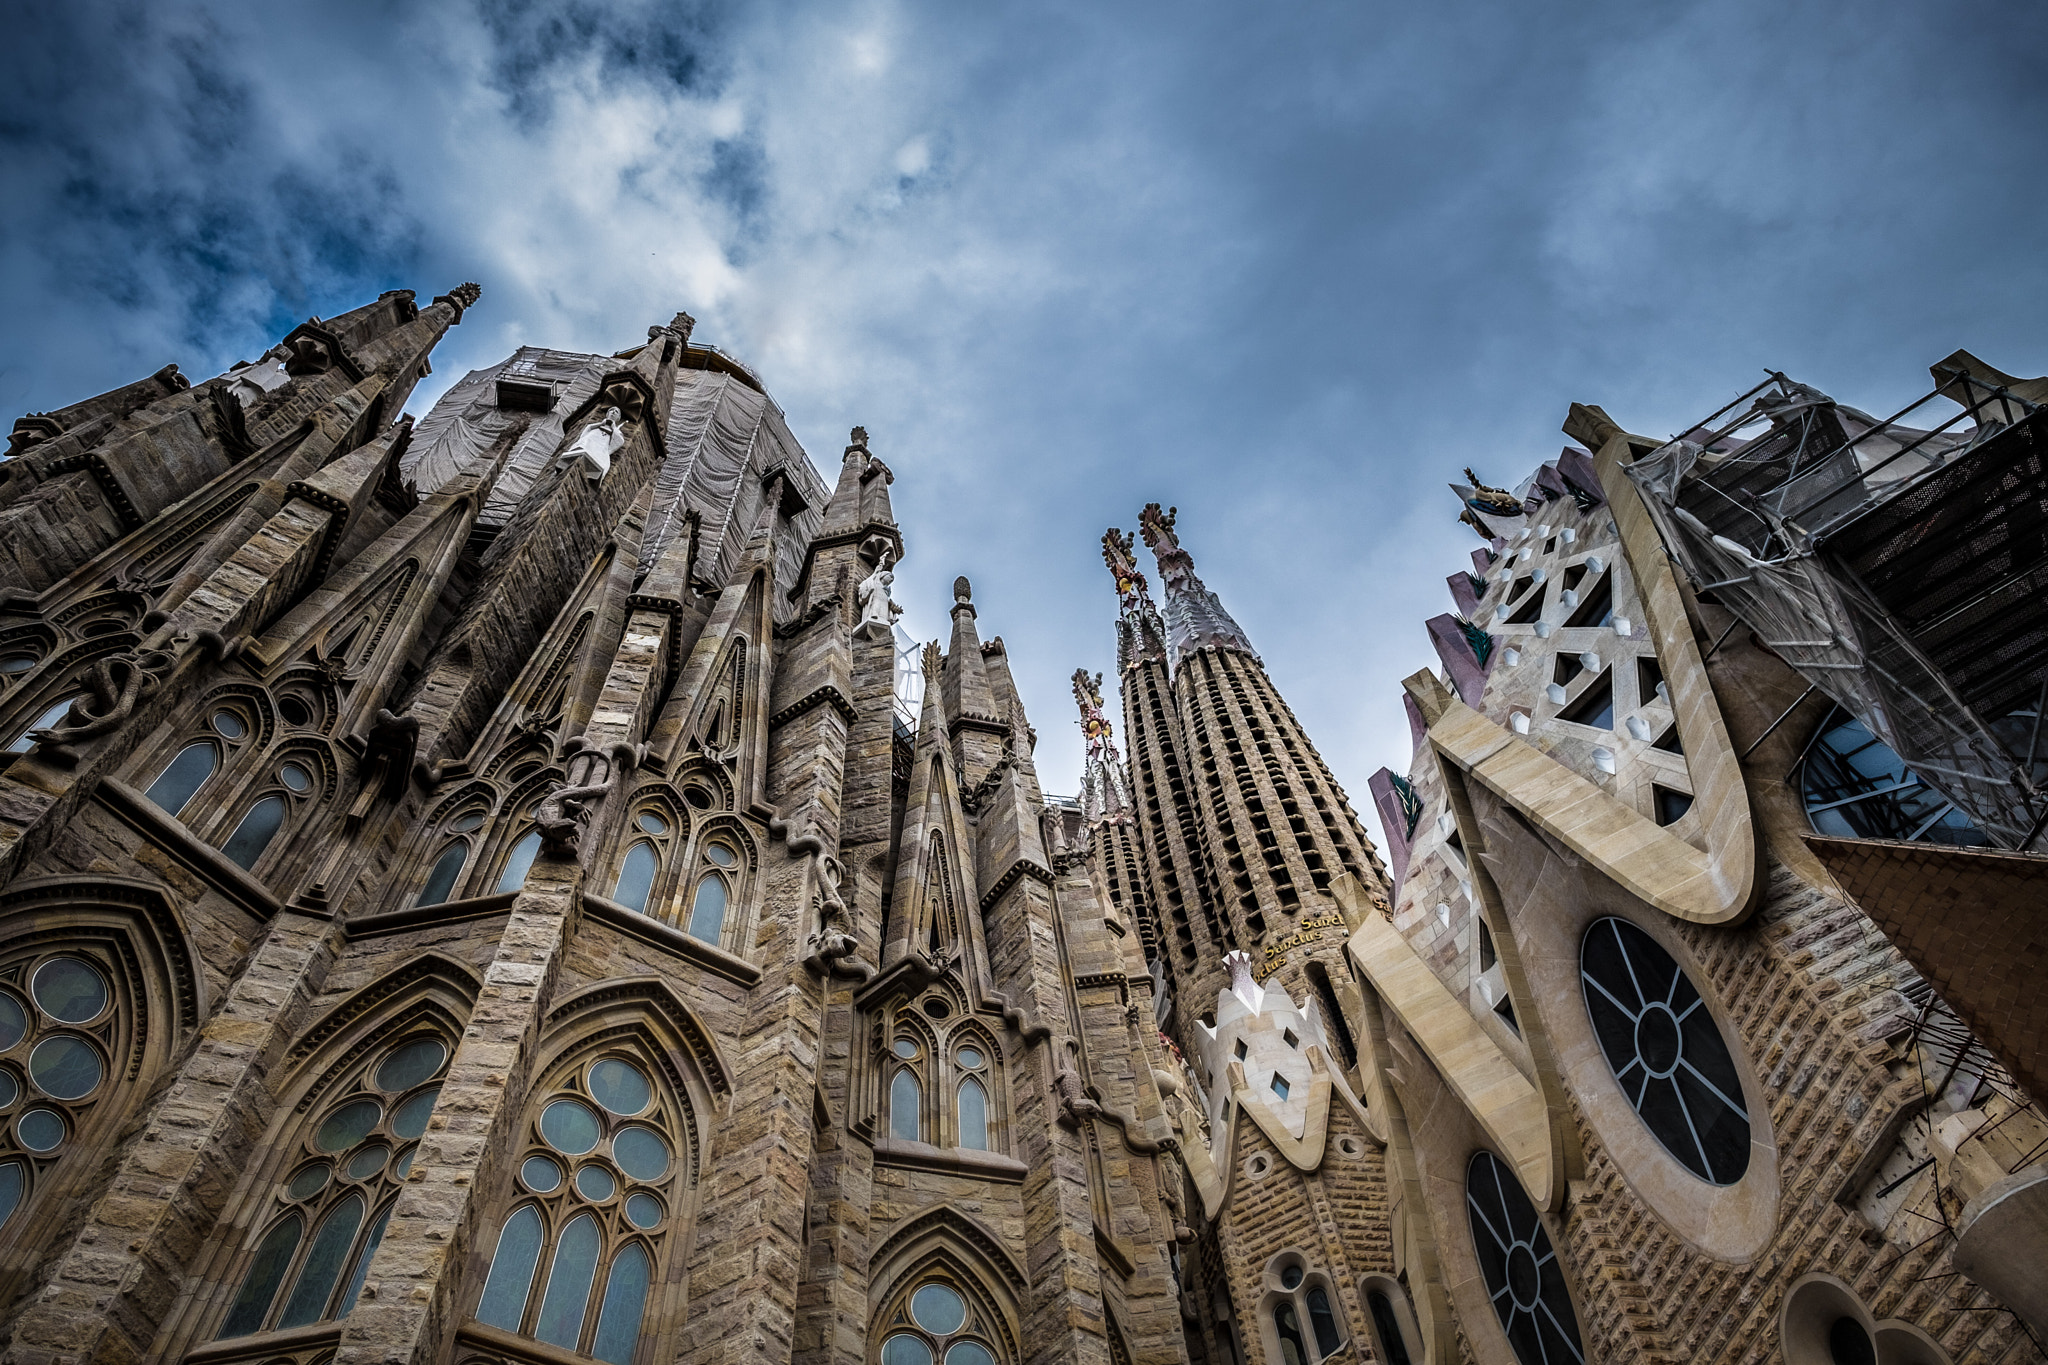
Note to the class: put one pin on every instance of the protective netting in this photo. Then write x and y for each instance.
(1903, 570)
(724, 437)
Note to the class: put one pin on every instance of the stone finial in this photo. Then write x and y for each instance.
(1123, 567)
(461, 298)
(858, 439)
(682, 324)
(933, 660)
(1157, 527)
(963, 591)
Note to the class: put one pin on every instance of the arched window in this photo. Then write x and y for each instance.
(636, 876)
(349, 1164)
(519, 862)
(906, 1098)
(255, 832)
(1519, 1266)
(1387, 1305)
(936, 1324)
(1306, 1326)
(1664, 1049)
(707, 908)
(597, 1188)
(973, 1115)
(1857, 787)
(22, 743)
(181, 778)
(447, 867)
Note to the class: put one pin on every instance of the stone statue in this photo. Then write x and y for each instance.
(599, 441)
(873, 597)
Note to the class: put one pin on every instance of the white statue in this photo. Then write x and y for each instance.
(599, 441)
(872, 597)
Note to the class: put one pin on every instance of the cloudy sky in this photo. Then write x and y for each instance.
(1288, 267)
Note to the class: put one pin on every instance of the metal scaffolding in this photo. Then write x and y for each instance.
(1902, 569)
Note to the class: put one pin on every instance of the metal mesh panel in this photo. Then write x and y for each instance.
(1900, 568)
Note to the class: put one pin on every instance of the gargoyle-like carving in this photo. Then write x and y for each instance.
(591, 774)
(115, 686)
(388, 749)
(1076, 1104)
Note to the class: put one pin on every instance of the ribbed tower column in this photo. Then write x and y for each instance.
(1193, 938)
(1278, 828)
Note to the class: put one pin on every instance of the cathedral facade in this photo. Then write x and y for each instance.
(493, 890)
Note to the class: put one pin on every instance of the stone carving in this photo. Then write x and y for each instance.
(115, 686)
(1496, 501)
(1116, 553)
(598, 442)
(873, 597)
(591, 774)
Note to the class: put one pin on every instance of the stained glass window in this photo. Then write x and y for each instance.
(1520, 1266)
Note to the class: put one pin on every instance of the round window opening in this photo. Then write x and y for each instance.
(1665, 1050)
(1519, 1265)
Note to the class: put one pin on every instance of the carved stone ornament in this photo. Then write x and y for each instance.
(114, 687)
(591, 775)
(599, 441)
(873, 597)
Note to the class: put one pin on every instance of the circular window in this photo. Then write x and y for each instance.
(570, 1127)
(619, 1086)
(69, 990)
(970, 1058)
(595, 1183)
(13, 1021)
(904, 1349)
(295, 777)
(643, 1211)
(17, 663)
(1857, 787)
(1665, 1050)
(652, 823)
(697, 797)
(309, 1181)
(294, 711)
(462, 824)
(1290, 1277)
(906, 1049)
(1519, 1265)
(937, 1008)
(411, 1063)
(10, 1089)
(641, 1153)
(368, 1161)
(540, 1175)
(720, 854)
(938, 1309)
(347, 1126)
(970, 1353)
(229, 724)
(409, 1120)
(41, 1130)
(65, 1068)
(404, 1166)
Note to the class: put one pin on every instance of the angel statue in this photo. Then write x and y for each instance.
(873, 597)
(599, 441)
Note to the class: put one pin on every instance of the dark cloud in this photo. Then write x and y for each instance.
(1289, 270)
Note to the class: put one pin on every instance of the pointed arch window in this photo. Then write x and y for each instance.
(936, 1323)
(347, 1166)
(972, 1109)
(292, 784)
(713, 897)
(906, 1103)
(1306, 1327)
(598, 1190)
(441, 880)
(182, 777)
(943, 1087)
(636, 876)
(519, 862)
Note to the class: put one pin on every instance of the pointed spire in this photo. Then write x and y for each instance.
(964, 684)
(1105, 793)
(1195, 618)
(843, 511)
(1140, 633)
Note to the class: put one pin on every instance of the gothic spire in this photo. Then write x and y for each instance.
(1195, 618)
(1105, 793)
(1140, 633)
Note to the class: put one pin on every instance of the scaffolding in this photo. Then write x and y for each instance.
(1899, 564)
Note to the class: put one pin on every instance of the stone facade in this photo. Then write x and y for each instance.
(492, 889)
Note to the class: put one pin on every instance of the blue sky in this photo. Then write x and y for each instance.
(1287, 267)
